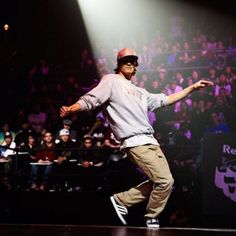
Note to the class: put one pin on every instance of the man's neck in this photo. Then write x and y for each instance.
(126, 76)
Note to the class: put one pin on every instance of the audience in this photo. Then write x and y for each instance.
(167, 64)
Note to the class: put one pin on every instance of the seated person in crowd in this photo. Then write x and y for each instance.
(88, 154)
(112, 146)
(111, 142)
(5, 127)
(7, 151)
(27, 154)
(42, 167)
(7, 154)
(98, 130)
(66, 155)
(67, 124)
(21, 137)
(218, 124)
(91, 163)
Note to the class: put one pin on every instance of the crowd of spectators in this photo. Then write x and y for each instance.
(166, 64)
(41, 152)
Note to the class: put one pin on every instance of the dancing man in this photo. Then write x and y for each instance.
(126, 107)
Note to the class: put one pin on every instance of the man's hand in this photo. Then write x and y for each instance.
(67, 110)
(202, 84)
(175, 97)
(64, 111)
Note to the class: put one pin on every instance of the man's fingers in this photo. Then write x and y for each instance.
(207, 83)
(63, 111)
(203, 83)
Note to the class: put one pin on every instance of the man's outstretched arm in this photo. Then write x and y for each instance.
(66, 110)
(89, 101)
(175, 97)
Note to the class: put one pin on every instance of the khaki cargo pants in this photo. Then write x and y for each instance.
(157, 188)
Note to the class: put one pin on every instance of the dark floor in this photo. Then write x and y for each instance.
(93, 208)
(88, 230)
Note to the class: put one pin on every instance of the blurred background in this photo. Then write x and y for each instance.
(52, 52)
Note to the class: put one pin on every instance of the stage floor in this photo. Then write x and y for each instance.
(89, 230)
(73, 211)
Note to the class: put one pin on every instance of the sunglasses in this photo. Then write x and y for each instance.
(129, 60)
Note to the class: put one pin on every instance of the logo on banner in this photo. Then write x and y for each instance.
(225, 173)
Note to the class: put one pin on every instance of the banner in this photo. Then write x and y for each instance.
(219, 174)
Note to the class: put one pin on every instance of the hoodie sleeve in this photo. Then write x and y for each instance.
(156, 101)
(98, 95)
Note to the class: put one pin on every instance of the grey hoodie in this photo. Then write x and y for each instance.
(125, 106)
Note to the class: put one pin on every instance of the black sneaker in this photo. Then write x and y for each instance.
(121, 211)
(153, 223)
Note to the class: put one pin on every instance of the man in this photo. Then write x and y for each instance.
(91, 165)
(67, 124)
(21, 137)
(42, 167)
(7, 150)
(126, 108)
(7, 154)
(66, 155)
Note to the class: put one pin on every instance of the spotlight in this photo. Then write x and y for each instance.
(6, 27)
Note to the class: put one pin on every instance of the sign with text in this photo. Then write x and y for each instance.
(219, 174)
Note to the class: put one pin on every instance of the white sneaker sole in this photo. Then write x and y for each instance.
(122, 219)
(153, 226)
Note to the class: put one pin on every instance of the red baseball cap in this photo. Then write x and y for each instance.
(126, 52)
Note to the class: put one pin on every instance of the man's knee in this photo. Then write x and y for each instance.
(166, 183)
(171, 182)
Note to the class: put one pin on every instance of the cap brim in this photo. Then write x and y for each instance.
(121, 58)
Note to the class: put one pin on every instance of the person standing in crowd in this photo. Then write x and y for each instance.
(126, 107)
